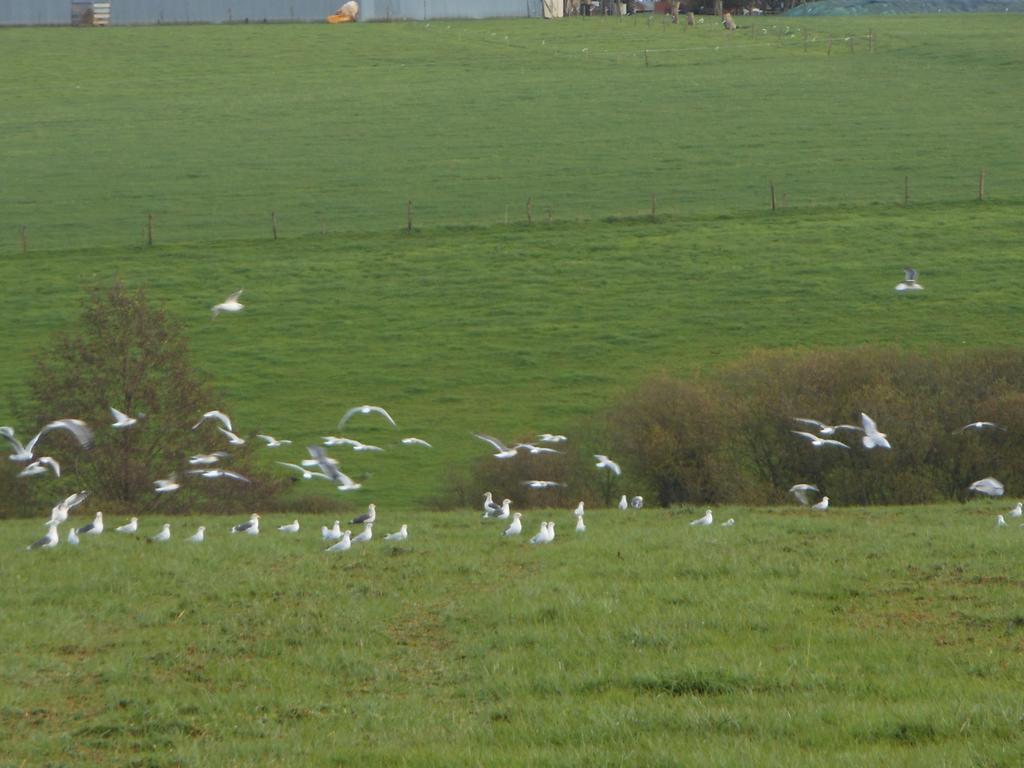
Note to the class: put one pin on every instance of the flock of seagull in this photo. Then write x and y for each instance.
(320, 465)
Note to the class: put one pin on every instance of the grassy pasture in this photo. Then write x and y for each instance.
(861, 637)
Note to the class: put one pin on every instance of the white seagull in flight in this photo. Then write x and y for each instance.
(978, 426)
(416, 441)
(273, 442)
(365, 409)
(60, 512)
(122, 420)
(329, 467)
(231, 436)
(218, 415)
(41, 466)
(167, 485)
(801, 491)
(827, 430)
(76, 427)
(541, 484)
(909, 281)
(213, 474)
(988, 486)
(819, 442)
(872, 438)
(547, 437)
(503, 451)
(603, 462)
(230, 304)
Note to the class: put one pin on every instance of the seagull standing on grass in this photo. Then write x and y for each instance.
(366, 409)
(250, 526)
(623, 503)
(400, 535)
(73, 537)
(49, 541)
(1017, 510)
(292, 527)
(708, 519)
(490, 508)
(95, 528)
(130, 527)
(163, 535)
(199, 536)
(1000, 521)
(230, 304)
(637, 502)
(369, 516)
(364, 535)
(872, 438)
(516, 526)
(988, 486)
(579, 511)
(822, 505)
(541, 536)
(581, 527)
(331, 534)
(729, 523)
(505, 511)
(603, 462)
(343, 544)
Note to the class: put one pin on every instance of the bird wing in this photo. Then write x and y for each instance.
(492, 440)
(836, 443)
(807, 435)
(910, 274)
(870, 428)
(811, 422)
(325, 463)
(8, 434)
(118, 415)
(235, 476)
(76, 427)
(231, 435)
(385, 414)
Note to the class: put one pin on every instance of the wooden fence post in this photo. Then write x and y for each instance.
(771, 188)
(273, 223)
(24, 238)
(906, 190)
(408, 216)
(149, 229)
(529, 210)
(981, 185)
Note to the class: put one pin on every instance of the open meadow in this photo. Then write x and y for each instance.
(860, 636)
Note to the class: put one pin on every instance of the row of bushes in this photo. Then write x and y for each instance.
(726, 436)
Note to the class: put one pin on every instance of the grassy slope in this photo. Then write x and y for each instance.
(212, 128)
(889, 636)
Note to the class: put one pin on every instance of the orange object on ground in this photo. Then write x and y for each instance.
(336, 19)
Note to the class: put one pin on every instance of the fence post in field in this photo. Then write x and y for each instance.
(981, 185)
(24, 238)
(408, 216)
(529, 210)
(771, 189)
(273, 223)
(654, 205)
(647, 61)
(906, 190)
(149, 229)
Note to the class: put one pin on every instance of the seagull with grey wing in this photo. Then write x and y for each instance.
(41, 466)
(364, 410)
(802, 490)
(329, 467)
(909, 281)
(122, 420)
(213, 474)
(95, 528)
(250, 526)
(49, 541)
(60, 511)
(603, 462)
(980, 426)
(220, 416)
(273, 442)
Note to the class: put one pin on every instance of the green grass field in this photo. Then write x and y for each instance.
(860, 637)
